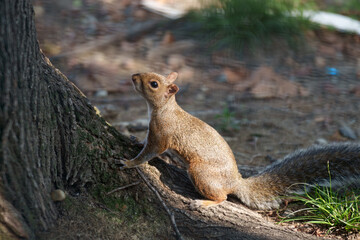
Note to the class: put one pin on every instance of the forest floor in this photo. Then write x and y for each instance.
(266, 103)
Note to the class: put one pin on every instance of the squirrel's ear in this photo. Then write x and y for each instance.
(171, 90)
(172, 77)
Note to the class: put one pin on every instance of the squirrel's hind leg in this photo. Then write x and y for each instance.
(211, 186)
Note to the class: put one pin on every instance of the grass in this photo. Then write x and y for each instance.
(227, 120)
(327, 207)
(248, 23)
(350, 8)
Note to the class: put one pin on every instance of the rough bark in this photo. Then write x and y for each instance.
(229, 220)
(51, 137)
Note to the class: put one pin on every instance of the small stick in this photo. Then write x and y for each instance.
(255, 156)
(134, 32)
(171, 214)
(123, 187)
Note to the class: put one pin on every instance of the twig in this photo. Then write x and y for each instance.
(244, 155)
(137, 30)
(106, 208)
(171, 214)
(123, 187)
(255, 156)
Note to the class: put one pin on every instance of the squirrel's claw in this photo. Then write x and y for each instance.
(123, 162)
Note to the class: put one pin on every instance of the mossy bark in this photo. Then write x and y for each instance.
(51, 137)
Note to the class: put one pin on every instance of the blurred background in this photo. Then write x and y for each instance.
(261, 72)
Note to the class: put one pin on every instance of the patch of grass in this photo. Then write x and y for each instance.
(242, 23)
(350, 8)
(327, 207)
(227, 120)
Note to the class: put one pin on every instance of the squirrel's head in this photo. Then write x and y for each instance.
(155, 88)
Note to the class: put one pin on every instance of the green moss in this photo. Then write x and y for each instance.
(95, 129)
(126, 205)
(89, 217)
(84, 136)
(68, 203)
(30, 218)
(105, 176)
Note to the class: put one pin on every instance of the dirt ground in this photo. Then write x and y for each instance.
(94, 45)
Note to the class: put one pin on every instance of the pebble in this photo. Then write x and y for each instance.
(39, 11)
(58, 195)
(101, 93)
(321, 141)
(320, 62)
(200, 96)
(347, 132)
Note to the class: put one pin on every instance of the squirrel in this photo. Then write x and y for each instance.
(211, 164)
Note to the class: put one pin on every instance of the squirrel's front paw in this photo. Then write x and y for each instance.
(124, 163)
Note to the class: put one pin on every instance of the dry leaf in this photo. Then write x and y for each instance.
(265, 83)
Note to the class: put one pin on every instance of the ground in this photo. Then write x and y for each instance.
(223, 87)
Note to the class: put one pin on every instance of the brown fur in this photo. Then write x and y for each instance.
(211, 164)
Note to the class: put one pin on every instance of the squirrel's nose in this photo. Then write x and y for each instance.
(135, 76)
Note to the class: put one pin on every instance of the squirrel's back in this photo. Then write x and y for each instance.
(191, 135)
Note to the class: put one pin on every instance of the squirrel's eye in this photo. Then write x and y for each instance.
(154, 84)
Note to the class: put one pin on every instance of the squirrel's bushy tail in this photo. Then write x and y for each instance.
(338, 164)
(254, 193)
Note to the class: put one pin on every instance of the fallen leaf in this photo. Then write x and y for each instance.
(235, 75)
(168, 38)
(331, 88)
(355, 90)
(176, 61)
(338, 137)
(265, 83)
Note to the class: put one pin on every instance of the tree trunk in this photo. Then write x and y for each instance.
(51, 137)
